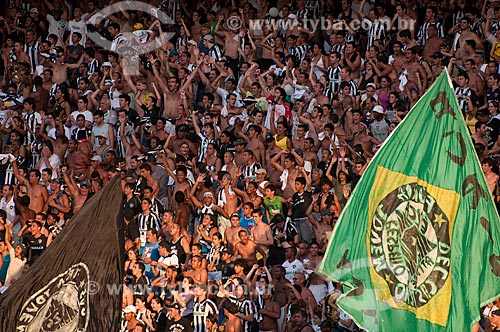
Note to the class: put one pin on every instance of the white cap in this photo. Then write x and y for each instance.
(129, 308)
(378, 109)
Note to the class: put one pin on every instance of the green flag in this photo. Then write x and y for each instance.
(418, 244)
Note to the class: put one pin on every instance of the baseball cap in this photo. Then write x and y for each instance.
(175, 306)
(138, 26)
(84, 184)
(372, 85)
(34, 10)
(183, 127)
(325, 212)
(231, 79)
(208, 38)
(226, 250)
(437, 55)
(239, 141)
(261, 171)
(206, 25)
(208, 193)
(129, 308)
(204, 287)
(292, 16)
(318, 170)
(96, 158)
(192, 42)
(378, 109)
(173, 52)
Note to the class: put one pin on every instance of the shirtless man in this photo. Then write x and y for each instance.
(60, 143)
(181, 183)
(231, 234)
(318, 94)
(250, 195)
(167, 222)
(317, 284)
(22, 203)
(37, 192)
(365, 140)
(60, 68)
(227, 199)
(298, 140)
(480, 135)
(248, 249)
(79, 194)
(290, 166)
(491, 177)
(198, 273)
(150, 180)
(398, 59)
(476, 81)
(310, 152)
(233, 323)
(171, 94)
(321, 226)
(78, 161)
(465, 34)
(412, 67)
(254, 143)
(239, 150)
(183, 211)
(261, 233)
(433, 42)
(231, 43)
(270, 313)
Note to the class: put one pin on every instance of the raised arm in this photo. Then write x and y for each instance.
(68, 179)
(275, 161)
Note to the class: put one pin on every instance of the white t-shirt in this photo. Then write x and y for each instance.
(15, 269)
(292, 268)
(79, 27)
(87, 114)
(9, 207)
(54, 164)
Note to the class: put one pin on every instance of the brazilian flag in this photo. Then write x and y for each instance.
(417, 246)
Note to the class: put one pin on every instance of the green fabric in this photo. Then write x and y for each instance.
(417, 244)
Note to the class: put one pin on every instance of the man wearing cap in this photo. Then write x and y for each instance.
(101, 128)
(176, 322)
(436, 61)
(58, 202)
(79, 194)
(202, 308)
(130, 320)
(214, 50)
(379, 127)
(95, 166)
(225, 265)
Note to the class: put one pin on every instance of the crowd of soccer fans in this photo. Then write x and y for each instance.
(239, 130)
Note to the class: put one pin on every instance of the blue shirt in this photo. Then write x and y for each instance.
(5, 266)
(150, 250)
(247, 223)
